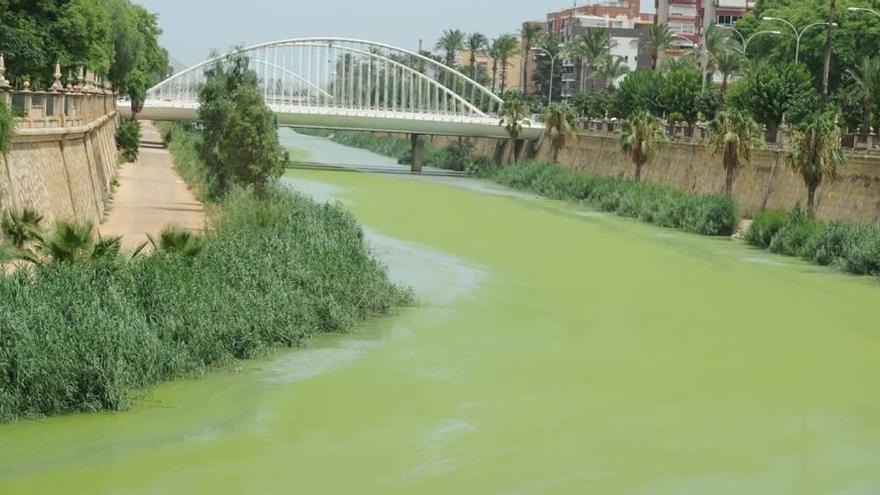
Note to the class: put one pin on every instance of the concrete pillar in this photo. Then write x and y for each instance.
(418, 152)
(662, 7)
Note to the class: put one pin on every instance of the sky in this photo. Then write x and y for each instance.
(192, 28)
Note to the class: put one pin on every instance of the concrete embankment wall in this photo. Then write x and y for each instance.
(766, 182)
(62, 173)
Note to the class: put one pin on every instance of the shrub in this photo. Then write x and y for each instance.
(128, 139)
(707, 215)
(796, 233)
(765, 225)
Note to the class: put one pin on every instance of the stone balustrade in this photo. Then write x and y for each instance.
(85, 99)
(698, 134)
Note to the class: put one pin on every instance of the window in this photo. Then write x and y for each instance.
(728, 20)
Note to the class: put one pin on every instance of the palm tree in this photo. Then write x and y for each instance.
(641, 137)
(69, 243)
(734, 134)
(177, 241)
(589, 48)
(659, 37)
(513, 112)
(561, 122)
(451, 42)
(21, 228)
(495, 55)
(815, 154)
(475, 44)
(610, 68)
(530, 34)
(504, 47)
(728, 63)
(866, 77)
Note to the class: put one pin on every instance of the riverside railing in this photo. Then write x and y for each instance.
(687, 133)
(85, 98)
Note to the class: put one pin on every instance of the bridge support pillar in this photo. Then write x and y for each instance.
(418, 152)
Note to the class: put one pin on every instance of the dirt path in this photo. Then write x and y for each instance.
(151, 195)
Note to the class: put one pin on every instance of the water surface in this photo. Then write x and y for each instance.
(556, 350)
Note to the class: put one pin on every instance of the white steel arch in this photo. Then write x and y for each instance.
(348, 83)
(299, 70)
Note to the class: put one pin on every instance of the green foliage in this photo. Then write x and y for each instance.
(594, 105)
(177, 241)
(561, 122)
(734, 135)
(22, 228)
(277, 269)
(765, 225)
(7, 127)
(795, 235)
(815, 153)
(640, 91)
(128, 139)
(450, 43)
(112, 37)
(640, 137)
(240, 140)
(770, 91)
(672, 91)
(850, 247)
(668, 207)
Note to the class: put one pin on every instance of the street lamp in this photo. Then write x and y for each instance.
(552, 68)
(746, 41)
(799, 34)
(862, 9)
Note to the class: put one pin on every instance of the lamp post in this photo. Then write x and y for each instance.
(862, 9)
(746, 41)
(552, 69)
(799, 34)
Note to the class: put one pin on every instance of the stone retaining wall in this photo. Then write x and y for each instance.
(63, 173)
(766, 182)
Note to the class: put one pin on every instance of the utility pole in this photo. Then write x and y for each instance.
(708, 22)
(662, 7)
(828, 49)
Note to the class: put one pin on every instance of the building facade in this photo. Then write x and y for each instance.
(617, 14)
(688, 19)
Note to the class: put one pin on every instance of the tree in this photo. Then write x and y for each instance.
(770, 91)
(513, 112)
(530, 35)
(561, 122)
(866, 77)
(549, 44)
(589, 48)
(815, 154)
(659, 37)
(640, 91)
(503, 48)
(475, 43)
(239, 139)
(728, 63)
(610, 68)
(451, 42)
(641, 136)
(734, 134)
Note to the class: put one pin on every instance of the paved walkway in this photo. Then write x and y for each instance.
(151, 196)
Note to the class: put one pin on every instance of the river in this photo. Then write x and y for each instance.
(554, 350)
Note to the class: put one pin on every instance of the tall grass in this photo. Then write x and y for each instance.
(850, 247)
(665, 206)
(273, 270)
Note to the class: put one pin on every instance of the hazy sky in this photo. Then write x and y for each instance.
(194, 27)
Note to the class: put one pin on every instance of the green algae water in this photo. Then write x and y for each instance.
(555, 350)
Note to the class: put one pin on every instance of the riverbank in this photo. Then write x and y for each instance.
(272, 271)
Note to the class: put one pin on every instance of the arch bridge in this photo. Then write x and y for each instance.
(350, 84)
